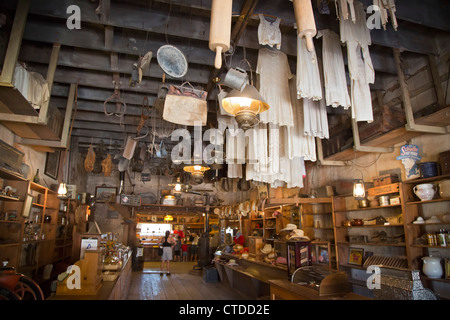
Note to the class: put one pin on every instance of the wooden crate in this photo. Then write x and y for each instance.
(382, 190)
(385, 180)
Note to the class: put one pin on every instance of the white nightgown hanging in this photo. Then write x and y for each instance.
(297, 143)
(274, 74)
(335, 81)
(315, 118)
(357, 37)
(269, 32)
(308, 76)
(360, 89)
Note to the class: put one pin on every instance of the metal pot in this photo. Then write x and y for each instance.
(363, 203)
(384, 200)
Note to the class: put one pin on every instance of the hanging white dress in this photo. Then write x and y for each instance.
(315, 118)
(274, 74)
(258, 161)
(298, 145)
(357, 38)
(269, 33)
(335, 81)
(308, 76)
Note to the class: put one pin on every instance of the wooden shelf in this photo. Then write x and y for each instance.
(427, 201)
(373, 244)
(393, 137)
(369, 208)
(424, 180)
(8, 198)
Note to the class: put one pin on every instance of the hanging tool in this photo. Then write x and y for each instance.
(220, 29)
(306, 25)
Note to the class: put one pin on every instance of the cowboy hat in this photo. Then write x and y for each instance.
(267, 248)
(289, 227)
(298, 233)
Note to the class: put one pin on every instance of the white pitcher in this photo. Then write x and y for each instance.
(432, 267)
(425, 191)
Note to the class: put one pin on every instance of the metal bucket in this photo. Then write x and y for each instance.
(236, 78)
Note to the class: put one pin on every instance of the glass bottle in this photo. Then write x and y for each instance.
(36, 177)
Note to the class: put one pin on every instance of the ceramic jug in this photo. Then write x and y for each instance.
(444, 188)
(432, 267)
(425, 191)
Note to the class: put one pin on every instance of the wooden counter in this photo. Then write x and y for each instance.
(259, 279)
(286, 290)
(110, 290)
(151, 253)
(250, 277)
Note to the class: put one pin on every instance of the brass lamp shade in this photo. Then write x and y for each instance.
(245, 105)
(196, 171)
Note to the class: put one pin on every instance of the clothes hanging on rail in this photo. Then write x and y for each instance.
(269, 32)
(357, 38)
(274, 74)
(308, 76)
(335, 81)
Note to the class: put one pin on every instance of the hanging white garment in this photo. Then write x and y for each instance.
(358, 33)
(357, 37)
(335, 81)
(38, 93)
(308, 76)
(274, 74)
(235, 145)
(234, 171)
(360, 89)
(315, 118)
(258, 161)
(298, 145)
(21, 80)
(269, 32)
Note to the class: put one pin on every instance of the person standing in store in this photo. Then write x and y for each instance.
(184, 250)
(194, 247)
(167, 243)
(177, 248)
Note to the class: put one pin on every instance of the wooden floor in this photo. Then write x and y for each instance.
(184, 283)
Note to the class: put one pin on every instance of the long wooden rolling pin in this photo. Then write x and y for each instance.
(220, 29)
(306, 24)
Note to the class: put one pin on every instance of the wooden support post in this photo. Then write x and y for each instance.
(15, 42)
(410, 123)
(63, 143)
(436, 80)
(43, 111)
(323, 162)
(357, 143)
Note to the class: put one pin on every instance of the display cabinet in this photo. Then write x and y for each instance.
(316, 220)
(28, 225)
(427, 223)
(365, 233)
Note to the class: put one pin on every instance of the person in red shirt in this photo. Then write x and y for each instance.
(184, 251)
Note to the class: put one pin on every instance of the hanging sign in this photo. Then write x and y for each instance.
(409, 154)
